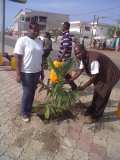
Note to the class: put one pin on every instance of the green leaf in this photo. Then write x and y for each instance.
(47, 112)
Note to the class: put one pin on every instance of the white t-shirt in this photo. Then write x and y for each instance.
(32, 51)
(94, 67)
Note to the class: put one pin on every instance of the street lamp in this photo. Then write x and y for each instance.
(2, 25)
(3, 22)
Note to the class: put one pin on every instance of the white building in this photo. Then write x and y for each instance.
(86, 29)
(81, 28)
(48, 21)
(100, 30)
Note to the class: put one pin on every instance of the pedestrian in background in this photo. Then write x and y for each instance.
(47, 45)
(66, 50)
(28, 52)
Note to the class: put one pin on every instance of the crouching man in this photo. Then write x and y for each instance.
(103, 73)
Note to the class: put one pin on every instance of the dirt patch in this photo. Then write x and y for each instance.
(72, 113)
(23, 138)
(51, 140)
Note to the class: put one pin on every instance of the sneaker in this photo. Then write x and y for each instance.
(25, 118)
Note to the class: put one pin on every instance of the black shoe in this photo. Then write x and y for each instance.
(25, 118)
(88, 112)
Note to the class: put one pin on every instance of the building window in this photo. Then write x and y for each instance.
(42, 19)
(42, 27)
(87, 28)
(27, 19)
(22, 18)
(34, 19)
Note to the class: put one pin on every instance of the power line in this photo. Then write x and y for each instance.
(101, 10)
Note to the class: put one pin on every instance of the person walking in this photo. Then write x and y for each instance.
(65, 50)
(103, 73)
(28, 52)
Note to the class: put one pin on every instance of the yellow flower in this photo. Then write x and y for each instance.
(58, 64)
(53, 76)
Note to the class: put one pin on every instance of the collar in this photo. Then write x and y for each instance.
(65, 32)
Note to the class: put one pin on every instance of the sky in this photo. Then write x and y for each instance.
(83, 10)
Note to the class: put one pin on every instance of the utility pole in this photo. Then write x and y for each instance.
(93, 23)
(2, 37)
(98, 19)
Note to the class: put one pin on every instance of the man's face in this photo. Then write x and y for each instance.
(35, 31)
(64, 28)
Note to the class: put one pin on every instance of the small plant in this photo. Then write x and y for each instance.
(60, 98)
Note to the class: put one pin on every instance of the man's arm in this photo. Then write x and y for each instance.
(77, 74)
(19, 53)
(19, 59)
(88, 83)
(94, 72)
(42, 70)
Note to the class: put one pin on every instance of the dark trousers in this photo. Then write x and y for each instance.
(46, 53)
(45, 56)
(99, 103)
(29, 84)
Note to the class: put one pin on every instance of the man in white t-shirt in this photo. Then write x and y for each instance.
(28, 52)
(103, 73)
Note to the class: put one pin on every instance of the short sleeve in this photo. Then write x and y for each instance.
(81, 66)
(95, 67)
(19, 47)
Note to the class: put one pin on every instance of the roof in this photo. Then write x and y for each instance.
(44, 12)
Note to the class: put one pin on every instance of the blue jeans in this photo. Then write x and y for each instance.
(29, 84)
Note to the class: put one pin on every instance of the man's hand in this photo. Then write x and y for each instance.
(18, 78)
